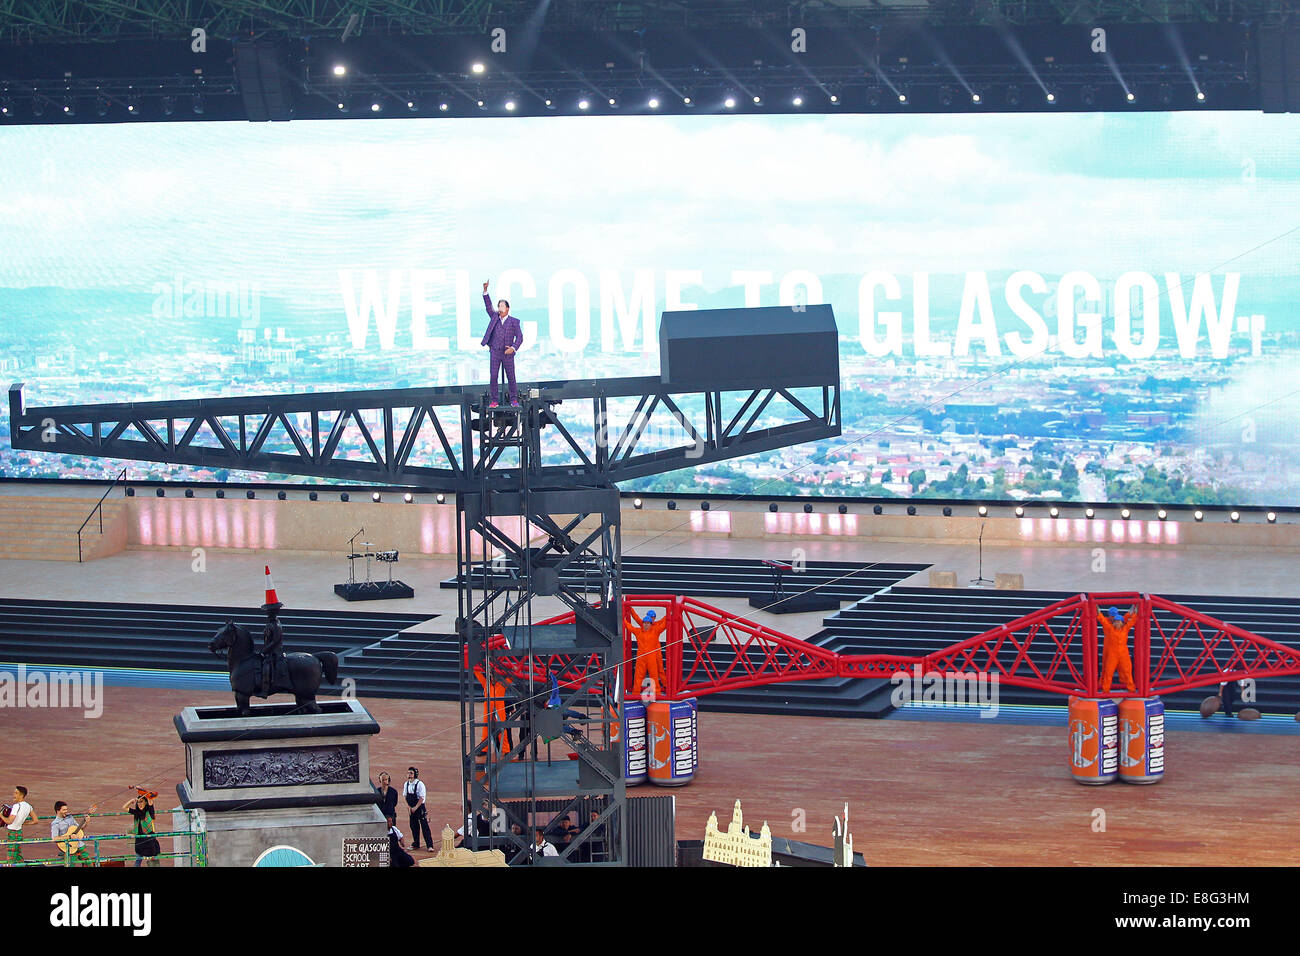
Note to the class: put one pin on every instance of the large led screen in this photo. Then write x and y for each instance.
(1078, 306)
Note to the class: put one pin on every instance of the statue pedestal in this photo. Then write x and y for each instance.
(278, 779)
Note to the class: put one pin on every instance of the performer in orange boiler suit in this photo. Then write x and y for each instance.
(1115, 649)
(649, 662)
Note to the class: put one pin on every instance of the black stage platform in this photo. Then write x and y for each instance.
(374, 590)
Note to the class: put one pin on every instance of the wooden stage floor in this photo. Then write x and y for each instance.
(919, 792)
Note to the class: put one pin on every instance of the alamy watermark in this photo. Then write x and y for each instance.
(946, 689)
(81, 690)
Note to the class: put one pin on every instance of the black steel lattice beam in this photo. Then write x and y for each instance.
(239, 433)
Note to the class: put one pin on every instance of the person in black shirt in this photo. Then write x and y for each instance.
(146, 844)
(386, 798)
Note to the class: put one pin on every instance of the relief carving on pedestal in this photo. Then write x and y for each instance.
(281, 767)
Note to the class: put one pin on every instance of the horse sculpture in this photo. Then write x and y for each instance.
(306, 672)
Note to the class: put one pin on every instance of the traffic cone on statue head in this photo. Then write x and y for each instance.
(272, 600)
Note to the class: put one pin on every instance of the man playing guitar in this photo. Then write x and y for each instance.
(68, 833)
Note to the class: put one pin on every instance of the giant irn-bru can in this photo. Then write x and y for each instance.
(1141, 740)
(634, 742)
(1094, 739)
(671, 736)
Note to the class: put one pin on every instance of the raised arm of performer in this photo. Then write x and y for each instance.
(491, 311)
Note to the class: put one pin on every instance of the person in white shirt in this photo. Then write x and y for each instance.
(541, 847)
(414, 792)
(397, 855)
(19, 815)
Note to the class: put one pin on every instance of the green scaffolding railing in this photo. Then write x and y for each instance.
(190, 847)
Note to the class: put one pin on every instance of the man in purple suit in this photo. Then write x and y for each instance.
(503, 338)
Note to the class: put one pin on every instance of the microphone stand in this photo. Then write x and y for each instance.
(352, 562)
(981, 581)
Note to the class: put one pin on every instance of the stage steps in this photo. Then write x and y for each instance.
(78, 634)
(44, 528)
(409, 665)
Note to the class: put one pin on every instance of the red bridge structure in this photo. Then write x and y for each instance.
(1056, 649)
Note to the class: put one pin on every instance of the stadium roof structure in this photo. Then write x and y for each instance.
(43, 21)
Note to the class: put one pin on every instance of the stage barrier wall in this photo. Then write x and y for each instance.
(42, 526)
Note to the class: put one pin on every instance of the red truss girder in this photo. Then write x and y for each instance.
(1223, 651)
(1056, 648)
(754, 655)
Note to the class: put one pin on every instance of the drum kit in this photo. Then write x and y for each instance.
(383, 557)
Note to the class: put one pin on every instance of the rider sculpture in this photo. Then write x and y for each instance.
(273, 662)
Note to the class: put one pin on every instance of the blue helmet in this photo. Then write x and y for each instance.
(1114, 614)
(649, 617)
